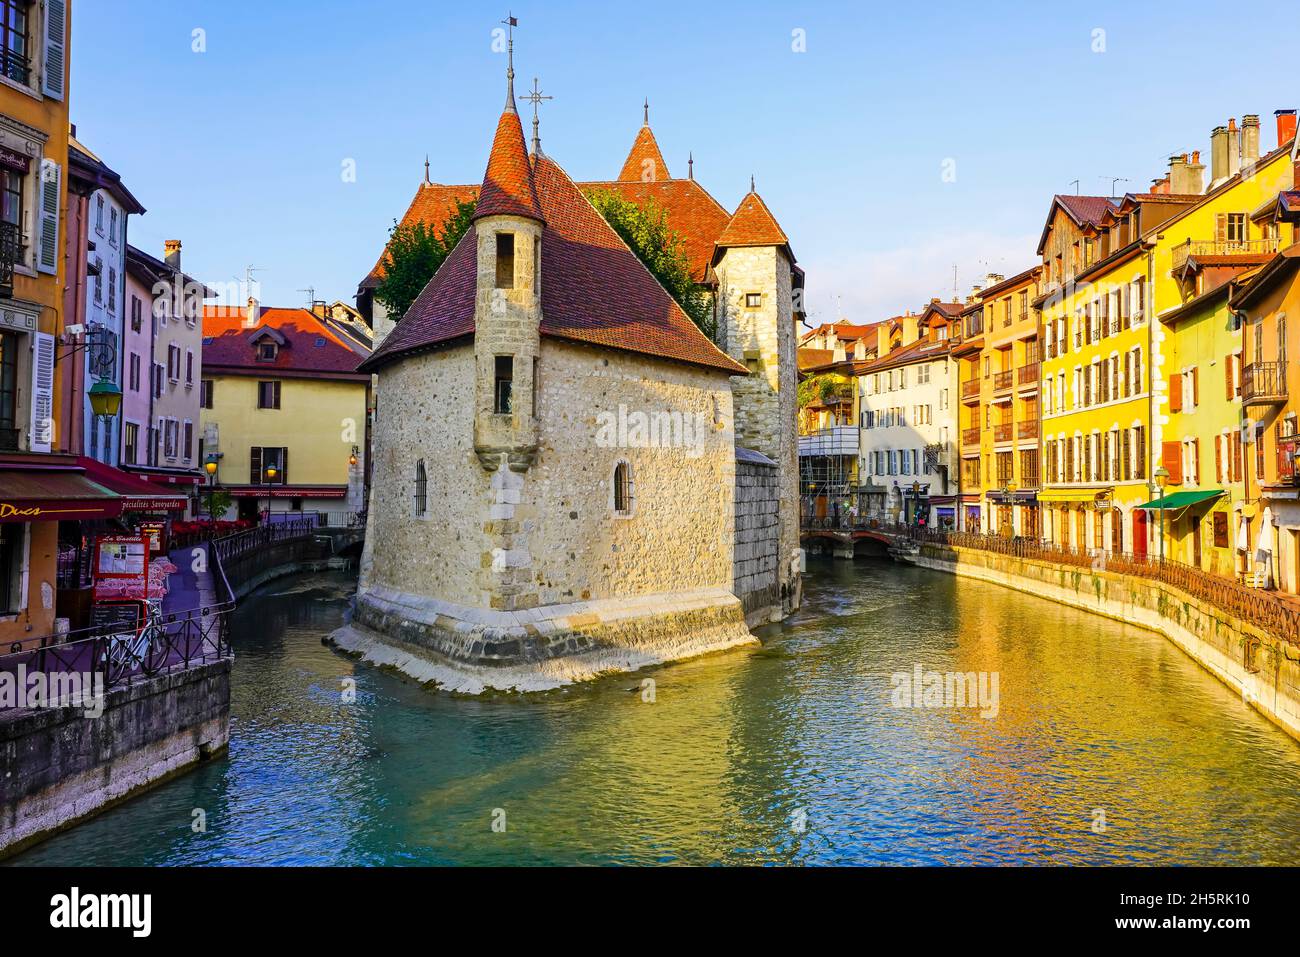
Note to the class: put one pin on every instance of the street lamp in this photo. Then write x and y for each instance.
(1008, 490)
(1162, 478)
(271, 472)
(105, 399)
(210, 466)
(916, 503)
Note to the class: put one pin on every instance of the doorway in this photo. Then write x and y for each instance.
(1139, 533)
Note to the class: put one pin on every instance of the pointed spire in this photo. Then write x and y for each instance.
(426, 169)
(511, 22)
(645, 121)
(751, 183)
(508, 188)
(690, 166)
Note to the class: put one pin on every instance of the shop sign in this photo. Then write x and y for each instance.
(122, 566)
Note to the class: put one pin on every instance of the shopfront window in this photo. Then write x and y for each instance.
(11, 566)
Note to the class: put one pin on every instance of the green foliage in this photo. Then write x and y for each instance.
(217, 503)
(646, 231)
(827, 387)
(414, 254)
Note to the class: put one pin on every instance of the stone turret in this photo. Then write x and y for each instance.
(507, 303)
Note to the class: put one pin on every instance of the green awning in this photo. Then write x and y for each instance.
(1181, 500)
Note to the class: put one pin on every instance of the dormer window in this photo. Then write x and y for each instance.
(266, 351)
(505, 260)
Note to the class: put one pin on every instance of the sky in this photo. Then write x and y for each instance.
(904, 147)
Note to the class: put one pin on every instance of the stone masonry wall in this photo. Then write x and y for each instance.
(758, 537)
(766, 403)
(554, 522)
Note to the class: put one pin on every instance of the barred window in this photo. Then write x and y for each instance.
(623, 493)
(421, 488)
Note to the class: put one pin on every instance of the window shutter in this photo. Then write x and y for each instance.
(1196, 387)
(277, 395)
(1196, 461)
(1171, 457)
(1236, 456)
(1218, 459)
(255, 465)
(1220, 227)
(41, 434)
(284, 457)
(1227, 376)
(1176, 393)
(47, 254)
(54, 62)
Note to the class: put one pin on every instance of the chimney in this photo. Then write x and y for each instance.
(1249, 139)
(882, 339)
(1285, 126)
(318, 308)
(992, 279)
(837, 354)
(250, 318)
(1218, 155)
(1234, 147)
(1185, 177)
(172, 253)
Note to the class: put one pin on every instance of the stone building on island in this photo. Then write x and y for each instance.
(557, 487)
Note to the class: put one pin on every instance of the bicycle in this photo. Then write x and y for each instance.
(144, 649)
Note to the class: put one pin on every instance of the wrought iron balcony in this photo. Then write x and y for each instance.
(1003, 380)
(1264, 383)
(1002, 432)
(1029, 374)
(1288, 449)
(15, 66)
(11, 253)
(970, 389)
(1027, 429)
(970, 437)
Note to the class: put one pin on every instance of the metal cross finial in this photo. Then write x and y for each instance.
(510, 22)
(645, 120)
(535, 97)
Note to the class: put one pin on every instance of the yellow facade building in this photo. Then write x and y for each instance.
(284, 411)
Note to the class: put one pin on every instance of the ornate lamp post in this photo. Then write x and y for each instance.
(210, 466)
(270, 472)
(1009, 490)
(1162, 479)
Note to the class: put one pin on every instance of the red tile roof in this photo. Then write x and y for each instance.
(753, 225)
(1085, 210)
(309, 347)
(644, 160)
(594, 290)
(508, 183)
(433, 205)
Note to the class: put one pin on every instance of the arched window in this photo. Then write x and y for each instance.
(623, 489)
(421, 488)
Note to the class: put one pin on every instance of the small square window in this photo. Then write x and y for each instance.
(753, 300)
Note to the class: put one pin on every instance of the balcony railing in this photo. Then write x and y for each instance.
(1027, 429)
(1003, 380)
(1029, 374)
(11, 253)
(1264, 382)
(970, 437)
(1287, 450)
(1002, 432)
(970, 388)
(15, 66)
(1232, 247)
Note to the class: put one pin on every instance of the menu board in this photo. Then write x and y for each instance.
(122, 566)
(154, 531)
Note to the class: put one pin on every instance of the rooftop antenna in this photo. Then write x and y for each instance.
(954, 283)
(535, 97)
(1113, 181)
(1075, 184)
(510, 22)
(248, 278)
(311, 295)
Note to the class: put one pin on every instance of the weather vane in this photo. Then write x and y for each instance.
(535, 97)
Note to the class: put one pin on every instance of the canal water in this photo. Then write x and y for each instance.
(1109, 746)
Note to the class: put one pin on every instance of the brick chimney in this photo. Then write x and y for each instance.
(172, 253)
(1285, 126)
(1249, 139)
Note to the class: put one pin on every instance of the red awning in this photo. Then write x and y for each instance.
(137, 494)
(143, 473)
(54, 495)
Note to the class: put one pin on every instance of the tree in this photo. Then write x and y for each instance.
(216, 503)
(646, 231)
(413, 255)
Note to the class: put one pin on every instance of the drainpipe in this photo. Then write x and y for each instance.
(1148, 306)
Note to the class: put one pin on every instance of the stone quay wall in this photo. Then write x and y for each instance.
(1264, 668)
(58, 766)
(757, 579)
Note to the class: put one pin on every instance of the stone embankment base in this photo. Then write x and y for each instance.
(1263, 668)
(472, 650)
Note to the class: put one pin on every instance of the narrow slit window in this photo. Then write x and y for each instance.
(504, 385)
(623, 489)
(505, 260)
(421, 489)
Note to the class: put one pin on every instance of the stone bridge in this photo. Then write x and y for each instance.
(848, 540)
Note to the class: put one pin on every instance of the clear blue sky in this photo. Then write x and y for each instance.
(239, 150)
